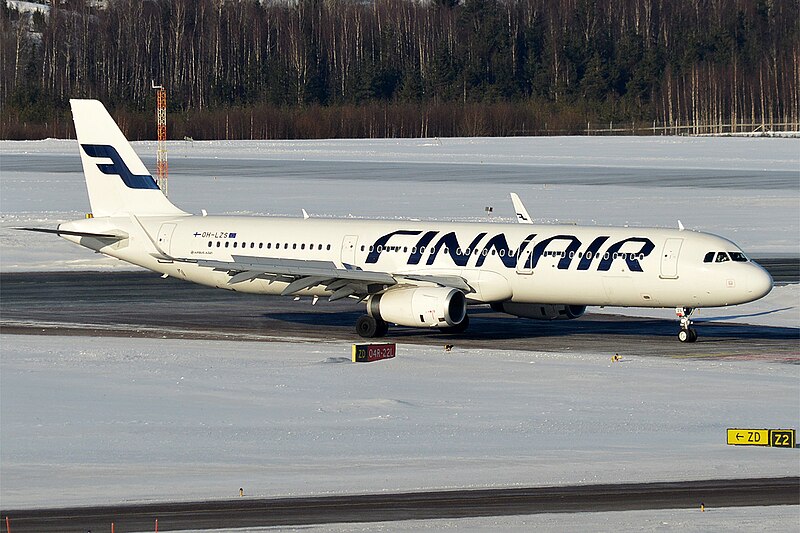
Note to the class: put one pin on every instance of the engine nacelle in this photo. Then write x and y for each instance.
(419, 306)
(541, 311)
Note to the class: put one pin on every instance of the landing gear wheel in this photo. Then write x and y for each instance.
(461, 327)
(687, 335)
(369, 327)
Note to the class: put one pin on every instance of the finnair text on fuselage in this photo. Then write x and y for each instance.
(431, 245)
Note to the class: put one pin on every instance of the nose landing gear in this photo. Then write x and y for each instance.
(686, 334)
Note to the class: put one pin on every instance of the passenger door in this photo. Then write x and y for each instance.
(669, 258)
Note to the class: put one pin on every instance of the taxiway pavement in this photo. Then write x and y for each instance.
(142, 304)
(265, 512)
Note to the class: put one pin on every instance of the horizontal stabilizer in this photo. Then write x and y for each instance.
(115, 236)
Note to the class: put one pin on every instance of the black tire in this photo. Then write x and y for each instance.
(383, 328)
(461, 327)
(366, 326)
(687, 335)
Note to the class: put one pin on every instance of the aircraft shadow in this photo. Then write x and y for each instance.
(487, 325)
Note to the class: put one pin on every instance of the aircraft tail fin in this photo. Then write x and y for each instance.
(117, 180)
(522, 214)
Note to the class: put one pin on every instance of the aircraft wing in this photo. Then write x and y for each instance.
(301, 274)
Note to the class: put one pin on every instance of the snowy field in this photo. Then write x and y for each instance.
(93, 420)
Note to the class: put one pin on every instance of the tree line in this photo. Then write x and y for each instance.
(401, 68)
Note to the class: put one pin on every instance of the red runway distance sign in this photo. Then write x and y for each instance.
(366, 353)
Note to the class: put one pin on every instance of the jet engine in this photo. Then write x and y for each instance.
(419, 306)
(541, 311)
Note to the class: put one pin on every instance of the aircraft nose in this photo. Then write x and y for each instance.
(759, 282)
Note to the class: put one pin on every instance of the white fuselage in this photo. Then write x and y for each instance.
(551, 264)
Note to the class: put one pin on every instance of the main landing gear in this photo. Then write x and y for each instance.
(686, 334)
(370, 327)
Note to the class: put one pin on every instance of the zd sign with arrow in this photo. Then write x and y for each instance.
(780, 438)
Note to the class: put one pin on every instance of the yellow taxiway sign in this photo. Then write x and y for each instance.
(748, 437)
(781, 438)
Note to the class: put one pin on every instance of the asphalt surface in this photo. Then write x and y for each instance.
(782, 269)
(246, 512)
(142, 304)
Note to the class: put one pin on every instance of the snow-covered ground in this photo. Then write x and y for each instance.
(91, 420)
(28, 7)
(98, 420)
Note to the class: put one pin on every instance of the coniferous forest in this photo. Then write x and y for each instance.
(249, 69)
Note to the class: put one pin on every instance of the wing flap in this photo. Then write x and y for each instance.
(302, 284)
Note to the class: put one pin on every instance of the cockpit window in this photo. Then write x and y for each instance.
(721, 257)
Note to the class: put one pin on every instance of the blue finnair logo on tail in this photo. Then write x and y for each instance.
(118, 167)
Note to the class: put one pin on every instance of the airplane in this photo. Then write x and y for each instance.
(420, 274)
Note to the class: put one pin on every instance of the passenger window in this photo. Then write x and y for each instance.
(722, 257)
(709, 258)
(303, 246)
(260, 245)
(209, 244)
(329, 247)
(739, 257)
(218, 244)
